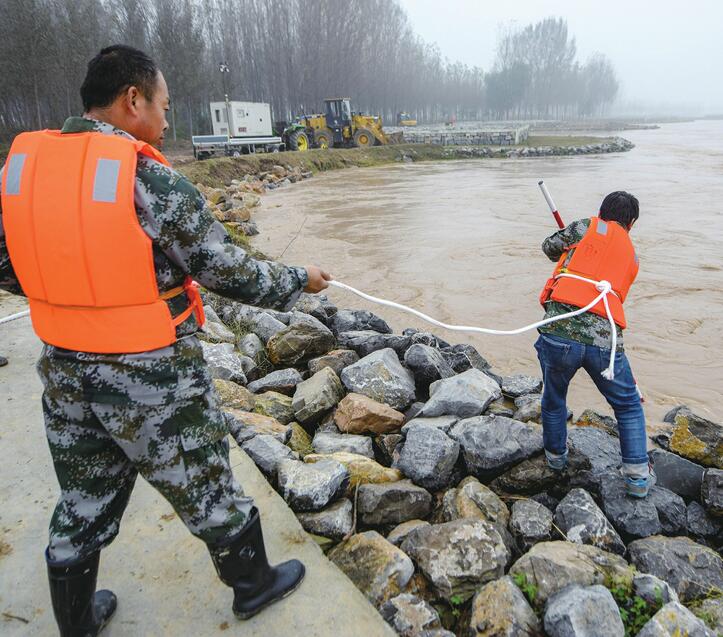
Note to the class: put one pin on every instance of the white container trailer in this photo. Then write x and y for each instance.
(248, 119)
(250, 131)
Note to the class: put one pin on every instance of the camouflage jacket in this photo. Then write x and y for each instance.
(186, 240)
(587, 328)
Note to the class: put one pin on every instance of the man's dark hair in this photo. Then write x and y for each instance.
(620, 206)
(114, 70)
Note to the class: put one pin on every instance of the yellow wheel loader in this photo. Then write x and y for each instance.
(337, 127)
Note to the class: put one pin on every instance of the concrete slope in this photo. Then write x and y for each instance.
(162, 575)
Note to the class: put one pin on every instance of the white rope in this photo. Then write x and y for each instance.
(603, 287)
(13, 317)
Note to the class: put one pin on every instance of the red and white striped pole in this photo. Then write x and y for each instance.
(551, 203)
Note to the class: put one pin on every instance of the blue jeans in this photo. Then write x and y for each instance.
(560, 358)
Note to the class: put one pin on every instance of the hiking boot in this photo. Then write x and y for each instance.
(557, 462)
(79, 609)
(639, 487)
(241, 564)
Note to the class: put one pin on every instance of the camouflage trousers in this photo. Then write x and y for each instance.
(99, 448)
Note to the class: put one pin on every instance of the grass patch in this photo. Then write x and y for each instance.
(529, 590)
(634, 610)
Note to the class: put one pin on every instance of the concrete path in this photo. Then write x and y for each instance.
(162, 575)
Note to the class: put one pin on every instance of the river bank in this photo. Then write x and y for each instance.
(218, 172)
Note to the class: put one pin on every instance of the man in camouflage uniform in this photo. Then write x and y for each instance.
(110, 417)
(584, 340)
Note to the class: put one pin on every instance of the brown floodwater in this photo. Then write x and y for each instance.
(461, 241)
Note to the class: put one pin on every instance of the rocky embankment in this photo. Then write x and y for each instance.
(220, 172)
(420, 470)
(612, 145)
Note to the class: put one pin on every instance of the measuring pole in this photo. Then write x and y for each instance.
(551, 203)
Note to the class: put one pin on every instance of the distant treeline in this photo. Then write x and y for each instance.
(291, 53)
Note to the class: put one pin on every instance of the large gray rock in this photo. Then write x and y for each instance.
(521, 385)
(653, 589)
(697, 439)
(335, 521)
(283, 381)
(378, 568)
(427, 364)
(703, 527)
(529, 477)
(582, 521)
(312, 304)
(677, 474)
(381, 377)
(366, 342)
(251, 345)
(357, 320)
(428, 457)
(491, 444)
(399, 533)
(328, 442)
(265, 326)
(692, 569)
(409, 615)
(274, 405)
(671, 509)
(464, 395)
(579, 611)
(457, 557)
(311, 487)
(499, 609)
(551, 566)
(317, 396)
(224, 362)
(594, 454)
(711, 492)
(443, 423)
(267, 452)
(464, 357)
(301, 341)
(528, 408)
(674, 620)
(392, 503)
(214, 330)
(336, 359)
(530, 523)
(661, 512)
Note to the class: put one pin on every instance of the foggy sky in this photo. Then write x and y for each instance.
(668, 53)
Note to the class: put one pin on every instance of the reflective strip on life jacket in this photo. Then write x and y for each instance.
(604, 253)
(79, 252)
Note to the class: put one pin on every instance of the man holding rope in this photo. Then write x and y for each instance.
(589, 251)
(103, 237)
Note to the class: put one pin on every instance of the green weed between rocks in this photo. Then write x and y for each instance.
(634, 610)
(529, 589)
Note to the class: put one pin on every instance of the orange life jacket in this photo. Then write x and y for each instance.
(75, 243)
(604, 253)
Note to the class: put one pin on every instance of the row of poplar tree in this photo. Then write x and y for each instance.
(291, 53)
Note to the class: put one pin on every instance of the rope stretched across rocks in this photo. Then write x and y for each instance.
(603, 287)
(14, 317)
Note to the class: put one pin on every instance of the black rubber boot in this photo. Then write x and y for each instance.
(79, 609)
(242, 565)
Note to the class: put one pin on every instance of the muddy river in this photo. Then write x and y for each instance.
(461, 241)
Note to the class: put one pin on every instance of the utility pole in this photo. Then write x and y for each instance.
(225, 70)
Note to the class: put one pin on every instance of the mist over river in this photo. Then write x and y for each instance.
(461, 241)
